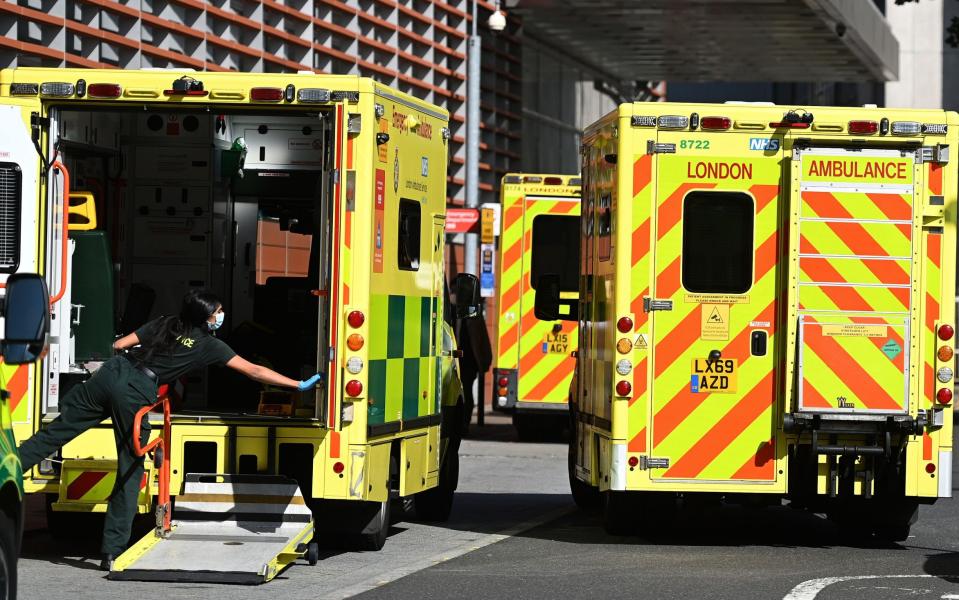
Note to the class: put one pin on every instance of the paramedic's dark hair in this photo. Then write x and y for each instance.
(195, 309)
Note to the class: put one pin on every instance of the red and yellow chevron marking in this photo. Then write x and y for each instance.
(512, 242)
(639, 284)
(543, 376)
(16, 380)
(854, 265)
(858, 359)
(715, 437)
(89, 485)
(933, 289)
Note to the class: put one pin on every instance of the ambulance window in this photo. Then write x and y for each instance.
(556, 250)
(408, 249)
(717, 242)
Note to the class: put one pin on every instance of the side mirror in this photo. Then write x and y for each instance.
(548, 306)
(26, 319)
(468, 301)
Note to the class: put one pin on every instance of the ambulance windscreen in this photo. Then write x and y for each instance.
(717, 242)
(556, 250)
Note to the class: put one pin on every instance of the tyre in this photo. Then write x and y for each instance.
(436, 504)
(312, 553)
(619, 514)
(8, 558)
(584, 495)
(525, 426)
(376, 524)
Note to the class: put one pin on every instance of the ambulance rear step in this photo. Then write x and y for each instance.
(226, 529)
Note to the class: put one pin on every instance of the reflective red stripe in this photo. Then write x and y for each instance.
(84, 483)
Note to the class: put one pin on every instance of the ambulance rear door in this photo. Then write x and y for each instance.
(855, 229)
(551, 224)
(716, 245)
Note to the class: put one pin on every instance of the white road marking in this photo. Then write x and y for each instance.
(448, 554)
(808, 590)
(950, 597)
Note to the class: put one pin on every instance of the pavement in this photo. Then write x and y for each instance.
(514, 533)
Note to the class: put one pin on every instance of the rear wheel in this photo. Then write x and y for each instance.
(8, 558)
(584, 495)
(373, 528)
(437, 503)
(619, 515)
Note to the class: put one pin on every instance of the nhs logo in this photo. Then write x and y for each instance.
(764, 144)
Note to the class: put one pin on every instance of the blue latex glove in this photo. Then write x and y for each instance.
(310, 383)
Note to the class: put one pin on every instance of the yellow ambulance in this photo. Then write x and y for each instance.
(766, 311)
(314, 205)
(539, 229)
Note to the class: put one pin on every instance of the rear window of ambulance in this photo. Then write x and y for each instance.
(556, 250)
(717, 242)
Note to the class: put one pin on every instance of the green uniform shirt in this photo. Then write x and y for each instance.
(197, 349)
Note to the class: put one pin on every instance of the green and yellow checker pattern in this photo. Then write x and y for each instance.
(402, 363)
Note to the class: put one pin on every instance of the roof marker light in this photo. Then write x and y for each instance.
(104, 90)
(863, 127)
(57, 89)
(673, 122)
(313, 95)
(24, 89)
(906, 128)
(716, 123)
(266, 94)
(553, 181)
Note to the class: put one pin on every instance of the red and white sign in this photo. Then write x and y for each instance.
(462, 220)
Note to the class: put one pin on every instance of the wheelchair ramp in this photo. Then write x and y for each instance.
(226, 529)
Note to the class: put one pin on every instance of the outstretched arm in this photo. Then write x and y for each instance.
(260, 373)
(127, 341)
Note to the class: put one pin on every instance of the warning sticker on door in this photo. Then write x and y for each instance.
(715, 299)
(642, 342)
(854, 330)
(715, 322)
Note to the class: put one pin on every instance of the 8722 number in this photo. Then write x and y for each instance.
(694, 144)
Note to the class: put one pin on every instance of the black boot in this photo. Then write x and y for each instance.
(107, 563)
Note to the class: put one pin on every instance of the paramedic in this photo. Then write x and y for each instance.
(159, 352)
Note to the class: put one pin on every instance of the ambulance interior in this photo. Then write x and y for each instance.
(236, 203)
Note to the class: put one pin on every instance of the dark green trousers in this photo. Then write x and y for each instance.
(116, 391)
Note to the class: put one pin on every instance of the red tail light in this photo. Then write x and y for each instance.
(356, 319)
(623, 388)
(503, 381)
(633, 461)
(930, 468)
(624, 325)
(944, 396)
(354, 388)
(265, 94)
(863, 127)
(946, 332)
(338, 467)
(104, 90)
(797, 125)
(716, 123)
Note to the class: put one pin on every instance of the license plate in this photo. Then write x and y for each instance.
(717, 377)
(556, 343)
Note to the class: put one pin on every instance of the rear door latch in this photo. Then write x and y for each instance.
(651, 304)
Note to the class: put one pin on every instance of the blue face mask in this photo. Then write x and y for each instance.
(217, 323)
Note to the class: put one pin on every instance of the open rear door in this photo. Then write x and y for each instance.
(855, 225)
